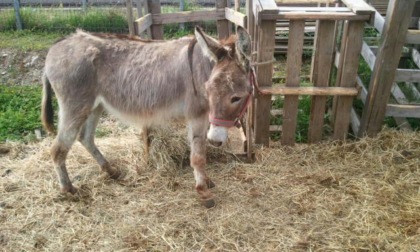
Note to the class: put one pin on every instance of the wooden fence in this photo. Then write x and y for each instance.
(385, 73)
(352, 16)
(152, 20)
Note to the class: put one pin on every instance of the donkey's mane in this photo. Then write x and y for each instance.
(121, 37)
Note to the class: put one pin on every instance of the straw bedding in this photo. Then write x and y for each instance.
(335, 196)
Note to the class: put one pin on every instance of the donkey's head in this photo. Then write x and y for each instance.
(228, 88)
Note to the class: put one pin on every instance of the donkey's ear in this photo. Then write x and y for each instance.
(210, 46)
(243, 45)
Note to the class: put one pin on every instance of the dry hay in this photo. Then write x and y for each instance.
(334, 196)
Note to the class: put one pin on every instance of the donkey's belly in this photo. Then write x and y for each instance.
(144, 117)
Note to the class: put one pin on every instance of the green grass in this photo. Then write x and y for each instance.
(66, 21)
(27, 41)
(20, 108)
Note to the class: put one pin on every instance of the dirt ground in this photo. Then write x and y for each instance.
(19, 67)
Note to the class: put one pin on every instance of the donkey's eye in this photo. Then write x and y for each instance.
(235, 99)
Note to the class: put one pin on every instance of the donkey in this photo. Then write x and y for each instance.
(145, 83)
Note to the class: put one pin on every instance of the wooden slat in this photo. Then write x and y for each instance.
(321, 90)
(222, 25)
(350, 51)
(321, 71)
(315, 16)
(413, 37)
(359, 6)
(355, 121)
(130, 20)
(368, 55)
(415, 55)
(236, 17)
(294, 64)
(400, 110)
(275, 128)
(407, 75)
(315, 9)
(187, 16)
(386, 60)
(264, 7)
(264, 74)
(144, 23)
(156, 29)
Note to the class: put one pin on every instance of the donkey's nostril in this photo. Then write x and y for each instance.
(215, 143)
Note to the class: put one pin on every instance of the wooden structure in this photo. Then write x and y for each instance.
(385, 73)
(152, 20)
(347, 19)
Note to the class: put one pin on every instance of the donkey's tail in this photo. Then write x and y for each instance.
(47, 111)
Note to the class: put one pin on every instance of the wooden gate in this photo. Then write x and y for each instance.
(345, 21)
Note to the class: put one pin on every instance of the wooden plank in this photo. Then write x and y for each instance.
(321, 71)
(415, 55)
(144, 23)
(387, 59)
(130, 20)
(315, 16)
(187, 16)
(321, 90)
(222, 25)
(403, 110)
(368, 55)
(359, 6)
(275, 128)
(146, 11)
(407, 75)
(264, 75)
(355, 121)
(363, 91)
(350, 51)
(315, 9)
(276, 112)
(264, 7)
(236, 17)
(413, 37)
(156, 29)
(294, 64)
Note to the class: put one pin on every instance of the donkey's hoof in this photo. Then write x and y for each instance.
(115, 174)
(208, 203)
(210, 184)
(69, 189)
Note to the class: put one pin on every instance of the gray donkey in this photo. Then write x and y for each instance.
(145, 83)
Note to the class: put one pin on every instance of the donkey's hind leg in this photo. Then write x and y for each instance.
(86, 137)
(69, 127)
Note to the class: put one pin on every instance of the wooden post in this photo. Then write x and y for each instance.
(146, 11)
(351, 46)
(294, 64)
(84, 5)
(266, 43)
(321, 71)
(130, 19)
(181, 8)
(19, 23)
(154, 8)
(387, 59)
(222, 25)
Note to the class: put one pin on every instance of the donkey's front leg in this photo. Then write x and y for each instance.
(198, 128)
